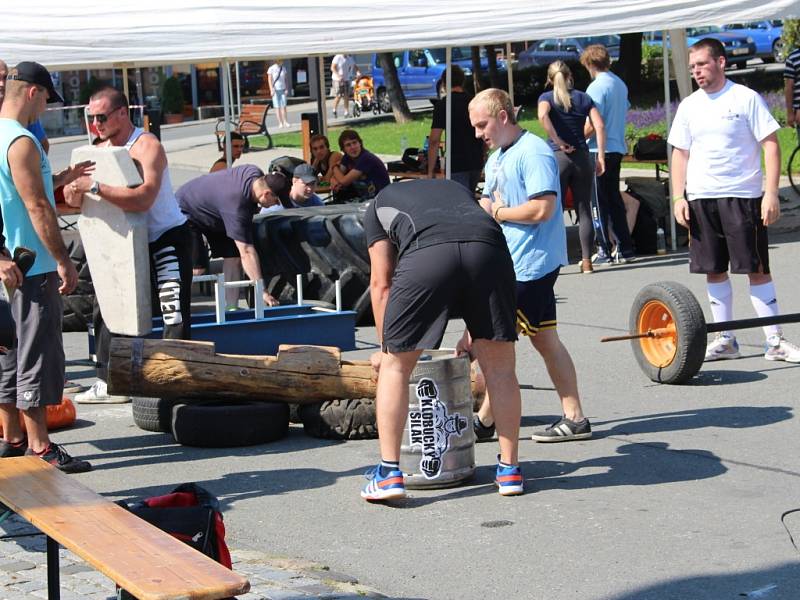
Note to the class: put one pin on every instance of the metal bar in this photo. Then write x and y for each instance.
(299, 286)
(338, 285)
(53, 584)
(219, 297)
(258, 298)
(754, 322)
(650, 333)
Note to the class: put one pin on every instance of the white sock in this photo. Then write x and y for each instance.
(766, 304)
(720, 296)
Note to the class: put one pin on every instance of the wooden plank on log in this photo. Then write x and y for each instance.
(175, 368)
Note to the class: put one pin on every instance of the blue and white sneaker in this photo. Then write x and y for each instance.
(388, 487)
(600, 258)
(509, 480)
(722, 347)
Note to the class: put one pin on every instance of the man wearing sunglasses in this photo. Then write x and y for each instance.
(32, 372)
(167, 230)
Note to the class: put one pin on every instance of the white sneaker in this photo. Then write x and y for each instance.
(98, 394)
(723, 347)
(779, 349)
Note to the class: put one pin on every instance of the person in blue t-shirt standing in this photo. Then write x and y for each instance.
(563, 113)
(32, 372)
(610, 96)
(522, 192)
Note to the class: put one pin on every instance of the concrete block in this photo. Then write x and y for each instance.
(116, 245)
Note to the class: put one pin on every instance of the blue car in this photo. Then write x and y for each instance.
(544, 52)
(738, 48)
(420, 70)
(765, 34)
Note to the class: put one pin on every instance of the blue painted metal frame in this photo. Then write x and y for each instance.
(293, 324)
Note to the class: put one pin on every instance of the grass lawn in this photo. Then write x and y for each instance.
(384, 136)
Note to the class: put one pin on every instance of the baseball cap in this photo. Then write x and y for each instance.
(306, 173)
(280, 187)
(33, 72)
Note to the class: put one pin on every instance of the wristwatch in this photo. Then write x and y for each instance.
(95, 189)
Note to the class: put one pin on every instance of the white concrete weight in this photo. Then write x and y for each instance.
(116, 246)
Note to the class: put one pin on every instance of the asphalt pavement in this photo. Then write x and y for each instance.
(679, 495)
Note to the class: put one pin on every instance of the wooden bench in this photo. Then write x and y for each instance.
(143, 560)
(252, 121)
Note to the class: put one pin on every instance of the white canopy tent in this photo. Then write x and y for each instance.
(85, 34)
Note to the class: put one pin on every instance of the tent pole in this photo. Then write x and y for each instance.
(125, 83)
(238, 89)
(226, 74)
(665, 55)
(510, 73)
(448, 140)
(322, 97)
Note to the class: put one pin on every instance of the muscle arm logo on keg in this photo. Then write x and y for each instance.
(430, 427)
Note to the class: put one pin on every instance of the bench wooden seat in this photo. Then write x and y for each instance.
(143, 560)
(252, 121)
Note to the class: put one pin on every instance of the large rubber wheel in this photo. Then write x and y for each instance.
(352, 419)
(676, 355)
(793, 169)
(778, 52)
(229, 423)
(154, 414)
(323, 244)
(384, 103)
(79, 303)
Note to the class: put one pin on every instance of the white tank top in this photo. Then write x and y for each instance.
(164, 214)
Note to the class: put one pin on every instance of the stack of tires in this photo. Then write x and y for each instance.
(78, 303)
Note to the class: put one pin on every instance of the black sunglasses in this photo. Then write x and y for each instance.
(101, 118)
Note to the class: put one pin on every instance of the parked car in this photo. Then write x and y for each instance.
(765, 34)
(420, 70)
(567, 49)
(738, 48)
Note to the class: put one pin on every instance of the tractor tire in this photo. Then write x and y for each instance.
(352, 419)
(677, 357)
(229, 423)
(323, 244)
(79, 303)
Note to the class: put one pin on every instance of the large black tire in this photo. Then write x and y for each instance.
(352, 419)
(154, 414)
(691, 335)
(793, 169)
(229, 423)
(323, 244)
(78, 304)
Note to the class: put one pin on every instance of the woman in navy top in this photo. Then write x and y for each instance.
(563, 112)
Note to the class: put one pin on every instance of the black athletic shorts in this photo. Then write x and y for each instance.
(536, 304)
(474, 279)
(727, 231)
(221, 247)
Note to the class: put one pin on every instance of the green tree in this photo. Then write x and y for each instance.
(790, 35)
(402, 114)
(172, 96)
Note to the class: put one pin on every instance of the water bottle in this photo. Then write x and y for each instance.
(661, 241)
(426, 145)
(403, 145)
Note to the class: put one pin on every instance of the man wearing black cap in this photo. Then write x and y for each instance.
(167, 232)
(301, 193)
(220, 206)
(32, 373)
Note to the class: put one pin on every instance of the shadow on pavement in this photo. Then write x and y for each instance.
(781, 582)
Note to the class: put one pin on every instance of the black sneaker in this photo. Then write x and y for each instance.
(7, 449)
(58, 457)
(483, 433)
(564, 430)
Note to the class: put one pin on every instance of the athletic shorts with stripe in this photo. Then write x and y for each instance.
(474, 280)
(536, 304)
(727, 231)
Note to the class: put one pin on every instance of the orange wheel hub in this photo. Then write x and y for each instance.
(661, 348)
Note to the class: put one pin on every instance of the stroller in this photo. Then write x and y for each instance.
(364, 96)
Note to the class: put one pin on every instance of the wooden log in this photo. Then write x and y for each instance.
(172, 368)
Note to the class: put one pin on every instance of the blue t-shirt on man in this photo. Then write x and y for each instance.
(17, 226)
(569, 123)
(525, 170)
(610, 96)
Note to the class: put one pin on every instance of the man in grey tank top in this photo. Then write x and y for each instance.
(167, 230)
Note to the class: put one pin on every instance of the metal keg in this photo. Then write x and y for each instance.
(438, 447)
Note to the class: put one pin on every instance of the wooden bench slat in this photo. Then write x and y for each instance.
(142, 559)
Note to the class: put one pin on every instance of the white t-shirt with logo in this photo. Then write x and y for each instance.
(723, 132)
(345, 67)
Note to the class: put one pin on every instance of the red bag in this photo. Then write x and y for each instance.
(190, 514)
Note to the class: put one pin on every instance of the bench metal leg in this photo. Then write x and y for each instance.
(53, 583)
